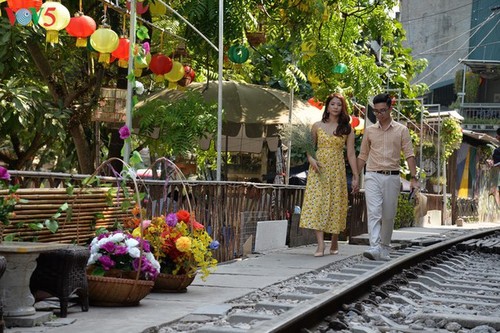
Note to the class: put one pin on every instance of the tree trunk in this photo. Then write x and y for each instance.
(83, 151)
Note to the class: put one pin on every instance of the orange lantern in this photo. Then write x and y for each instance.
(122, 52)
(176, 73)
(139, 7)
(81, 26)
(15, 5)
(53, 17)
(104, 40)
(157, 9)
(160, 64)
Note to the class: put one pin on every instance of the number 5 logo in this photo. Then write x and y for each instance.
(48, 17)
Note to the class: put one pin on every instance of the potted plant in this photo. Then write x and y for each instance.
(121, 269)
(437, 183)
(183, 247)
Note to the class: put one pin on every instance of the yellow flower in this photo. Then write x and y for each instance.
(137, 232)
(183, 244)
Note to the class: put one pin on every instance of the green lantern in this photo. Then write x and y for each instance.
(339, 69)
(238, 54)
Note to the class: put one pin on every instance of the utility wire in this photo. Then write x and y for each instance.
(464, 43)
(478, 44)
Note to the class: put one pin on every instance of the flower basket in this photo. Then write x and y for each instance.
(168, 283)
(111, 291)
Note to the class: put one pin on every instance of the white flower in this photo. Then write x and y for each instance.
(139, 88)
(153, 260)
(116, 238)
(131, 242)
(93, 258)
(134, 252)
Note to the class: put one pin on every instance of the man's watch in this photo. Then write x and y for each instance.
(414, 177)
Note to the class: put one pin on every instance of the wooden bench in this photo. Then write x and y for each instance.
(62, 273)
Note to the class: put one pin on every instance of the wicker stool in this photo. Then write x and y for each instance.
(62, 273)
(3, 266)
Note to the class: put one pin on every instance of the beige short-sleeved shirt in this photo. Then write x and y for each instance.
(381, 150)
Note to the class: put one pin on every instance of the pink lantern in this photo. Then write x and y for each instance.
(139, 7)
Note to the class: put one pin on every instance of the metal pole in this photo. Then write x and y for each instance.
(289, 143)
(130, 83)
(219, 92)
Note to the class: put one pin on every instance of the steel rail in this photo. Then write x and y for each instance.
(308, 314)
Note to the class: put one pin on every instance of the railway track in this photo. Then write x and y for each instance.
(449, 286)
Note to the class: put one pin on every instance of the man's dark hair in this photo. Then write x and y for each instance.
(498, 131)
(383, 98)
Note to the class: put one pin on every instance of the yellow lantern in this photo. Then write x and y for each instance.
(53, 17)
(104, 40)
(157, 9)
(176, 73)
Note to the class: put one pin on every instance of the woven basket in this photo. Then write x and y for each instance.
(167, 283)
(110, 291)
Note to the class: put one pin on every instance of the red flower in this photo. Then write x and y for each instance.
(198, 226)
(183, 215)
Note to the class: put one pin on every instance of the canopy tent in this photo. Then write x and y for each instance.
(252, 113)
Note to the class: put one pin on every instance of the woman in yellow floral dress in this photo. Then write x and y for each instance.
(325, 201)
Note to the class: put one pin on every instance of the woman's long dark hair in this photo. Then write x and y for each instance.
(343, 128)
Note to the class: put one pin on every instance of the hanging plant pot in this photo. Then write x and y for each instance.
(256, 38)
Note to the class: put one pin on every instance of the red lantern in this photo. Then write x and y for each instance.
(314, 102)
(354, 121)
(122, 52)
(139, 7)
(53, 17)
(15, 5)
(81, 26)
(160, 65)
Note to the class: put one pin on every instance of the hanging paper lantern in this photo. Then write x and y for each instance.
(104, 40)
(339, 69)
(53, 17)
(15, 5)
(176, 73)
(140, 8)
(122, 52)
(361, 126)
(354, 121)
(314, 102)
(238, 54)
(188, 77)
(81, 26)
(160, 65)
(157, 9)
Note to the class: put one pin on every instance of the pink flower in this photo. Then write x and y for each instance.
(4, 174)
(146, 223)
(124, 132)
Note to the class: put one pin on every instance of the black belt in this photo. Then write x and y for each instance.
(387, 172)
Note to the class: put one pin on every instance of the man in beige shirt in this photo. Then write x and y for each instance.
(381, 150)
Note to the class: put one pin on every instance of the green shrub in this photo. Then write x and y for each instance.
(405, 216)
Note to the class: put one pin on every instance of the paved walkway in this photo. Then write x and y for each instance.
(230, 280)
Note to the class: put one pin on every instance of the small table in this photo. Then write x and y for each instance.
(15, 283)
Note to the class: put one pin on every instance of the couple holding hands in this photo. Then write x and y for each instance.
(326, 199)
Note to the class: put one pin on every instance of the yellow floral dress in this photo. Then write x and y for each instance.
(325, 200)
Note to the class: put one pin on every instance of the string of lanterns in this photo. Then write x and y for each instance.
(55, 17)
